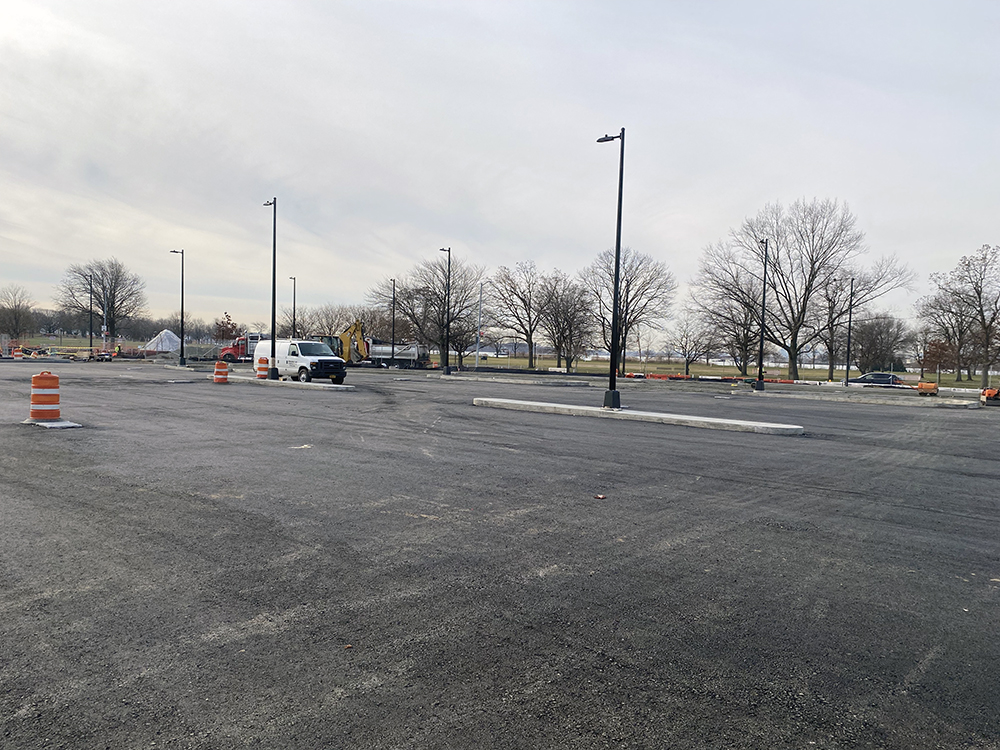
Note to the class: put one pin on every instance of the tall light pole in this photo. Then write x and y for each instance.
(272, 370)
(850, 313)
(612, 399)
(294, 334)
(479, 323)
(392, 351)
(181, 361)
(447, 315)
(90, 324)
(759, 385)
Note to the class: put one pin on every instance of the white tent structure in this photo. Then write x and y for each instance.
(165, 341)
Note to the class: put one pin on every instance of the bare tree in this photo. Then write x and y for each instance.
(646, 292)
(974, 287)
(811, 246)
(16, 311)
(853, 290)
(919, 344)
(950, 320)
(520, 299)
(878, 342)
(567, 318)
(420, 300)
(727, 296)
(118, 294)
(691, 337)
(304, 317)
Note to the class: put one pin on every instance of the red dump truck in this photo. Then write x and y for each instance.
(241, 349)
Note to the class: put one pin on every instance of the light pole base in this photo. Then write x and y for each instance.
(447, 369)
(758, 385)
(612, 400)
(182, 362)
(272, 373)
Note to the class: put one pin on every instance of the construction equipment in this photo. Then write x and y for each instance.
(349, 346)
(353, 349)
(927, 389)
(990, 397)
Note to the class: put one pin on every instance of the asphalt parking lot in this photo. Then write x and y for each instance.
(205, 566)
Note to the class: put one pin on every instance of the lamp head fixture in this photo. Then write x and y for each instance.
(607, 138)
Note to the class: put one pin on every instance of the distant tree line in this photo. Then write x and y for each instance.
(814, 290)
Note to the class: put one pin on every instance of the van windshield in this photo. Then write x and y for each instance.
(315, 349)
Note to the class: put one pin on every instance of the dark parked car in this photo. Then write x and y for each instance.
(887, 379)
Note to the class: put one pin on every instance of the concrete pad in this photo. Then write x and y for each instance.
(52, 424)
(240, 379)
(711, 423)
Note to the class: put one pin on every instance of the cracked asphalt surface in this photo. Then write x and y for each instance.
(206, 566)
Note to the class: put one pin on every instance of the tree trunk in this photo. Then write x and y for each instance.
(531, 351)
(793, 362)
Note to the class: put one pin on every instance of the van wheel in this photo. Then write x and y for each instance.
(304, 376)
(338, 380)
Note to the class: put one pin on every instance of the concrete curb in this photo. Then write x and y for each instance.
(241, 380)
(733, 425)
(927, 402)
(515, 381)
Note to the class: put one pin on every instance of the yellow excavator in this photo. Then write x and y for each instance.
(350, 345)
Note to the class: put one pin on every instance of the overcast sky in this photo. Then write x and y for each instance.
(390, 129)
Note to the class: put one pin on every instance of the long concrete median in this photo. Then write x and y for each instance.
(710, 423)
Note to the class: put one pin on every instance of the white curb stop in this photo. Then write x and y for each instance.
(711, 423)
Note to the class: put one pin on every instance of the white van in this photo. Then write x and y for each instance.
(302, 360)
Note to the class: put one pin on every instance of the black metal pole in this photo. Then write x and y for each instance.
(612, 399)
(850, 314)
(295, 335)
(181, 361)
(272, 370)
(90, 324)
(392, 354)
(447, 315)
(759, 385)
(479, 324)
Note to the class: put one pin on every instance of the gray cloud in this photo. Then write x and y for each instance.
(389, 129)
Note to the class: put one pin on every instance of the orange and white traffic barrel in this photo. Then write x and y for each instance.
(44, 397)
(18, 354)
(221, 372)
(262, 368)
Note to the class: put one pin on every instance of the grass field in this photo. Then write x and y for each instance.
(599, 366)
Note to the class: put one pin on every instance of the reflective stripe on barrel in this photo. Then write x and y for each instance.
(44, 397)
